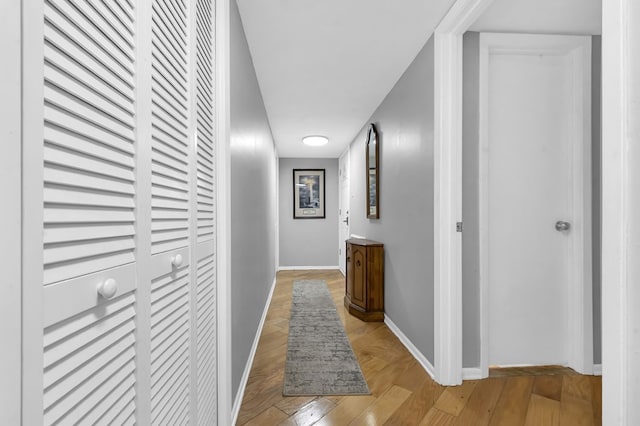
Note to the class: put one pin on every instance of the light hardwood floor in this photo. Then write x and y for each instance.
(402, 393)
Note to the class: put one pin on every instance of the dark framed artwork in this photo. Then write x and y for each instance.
(308, 194)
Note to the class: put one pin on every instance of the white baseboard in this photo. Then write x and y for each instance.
(597, 369)
(305, 268)
(247, 369)
(419, 356)
(472, 373)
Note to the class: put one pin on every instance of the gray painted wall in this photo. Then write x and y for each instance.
(470, 200)
(596, 178)
(308, 242)
(470, 206)
(253, 201)
(404, 121)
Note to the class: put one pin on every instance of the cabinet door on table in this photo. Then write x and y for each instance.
(349, 271)
(359, 263)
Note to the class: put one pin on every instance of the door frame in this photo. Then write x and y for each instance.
(11, 213)
(447, 271)
(620, 210)
(32, 212)
(579, 304)
(223, 209)
(344, 157)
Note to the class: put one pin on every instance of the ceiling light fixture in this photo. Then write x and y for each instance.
(315, 140)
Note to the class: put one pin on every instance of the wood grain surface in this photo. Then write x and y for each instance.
(402, 393)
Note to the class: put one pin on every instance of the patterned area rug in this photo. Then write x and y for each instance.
(320, 360)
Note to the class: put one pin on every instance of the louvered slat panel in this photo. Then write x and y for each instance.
(63, 214)
(169, 132)
(205, 298)
(115, 16)
(89, 129)
(206, 340)
(204, 119)
(77, 36)
(91, 29)
(89, 365)
(170, 347)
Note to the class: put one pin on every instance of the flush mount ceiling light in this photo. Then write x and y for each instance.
(315, 140)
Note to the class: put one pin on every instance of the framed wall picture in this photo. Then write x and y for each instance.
(308, 194)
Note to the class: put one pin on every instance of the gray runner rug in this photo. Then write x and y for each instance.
(320, 360)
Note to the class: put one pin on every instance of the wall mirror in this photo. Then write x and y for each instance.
(373, 167)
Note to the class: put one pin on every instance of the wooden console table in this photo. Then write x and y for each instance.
(364, 295)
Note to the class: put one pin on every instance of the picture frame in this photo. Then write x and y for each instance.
(308, 193)
(372, 160)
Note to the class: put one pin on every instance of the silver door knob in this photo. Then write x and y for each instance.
(562, 226)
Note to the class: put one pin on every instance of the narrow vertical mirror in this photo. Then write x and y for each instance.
(372, 143)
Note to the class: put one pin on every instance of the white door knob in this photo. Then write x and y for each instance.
(177, 260)
(108, 288)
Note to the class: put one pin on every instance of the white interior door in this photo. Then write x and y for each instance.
(534, 162)
(343, 224)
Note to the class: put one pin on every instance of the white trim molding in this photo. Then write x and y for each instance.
(277, 197)
(448, 209)
(597, 369)
(469, 373)
(223, 211)
(11, 213)
(461, 16)
(620, 212)
(307, 268)
(419, 356)
(448, 189)
(32, 130)
(252, 354)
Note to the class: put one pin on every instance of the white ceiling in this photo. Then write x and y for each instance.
(325, 66)
(542, 16)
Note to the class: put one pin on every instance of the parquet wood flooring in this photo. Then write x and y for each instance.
(545, 370)
(402, 393)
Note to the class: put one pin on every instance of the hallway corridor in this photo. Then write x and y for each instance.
(402, 393)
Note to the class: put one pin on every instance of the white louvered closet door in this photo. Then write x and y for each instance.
(170, 212)
(206, 267)
(120, 152)
(89, 213)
